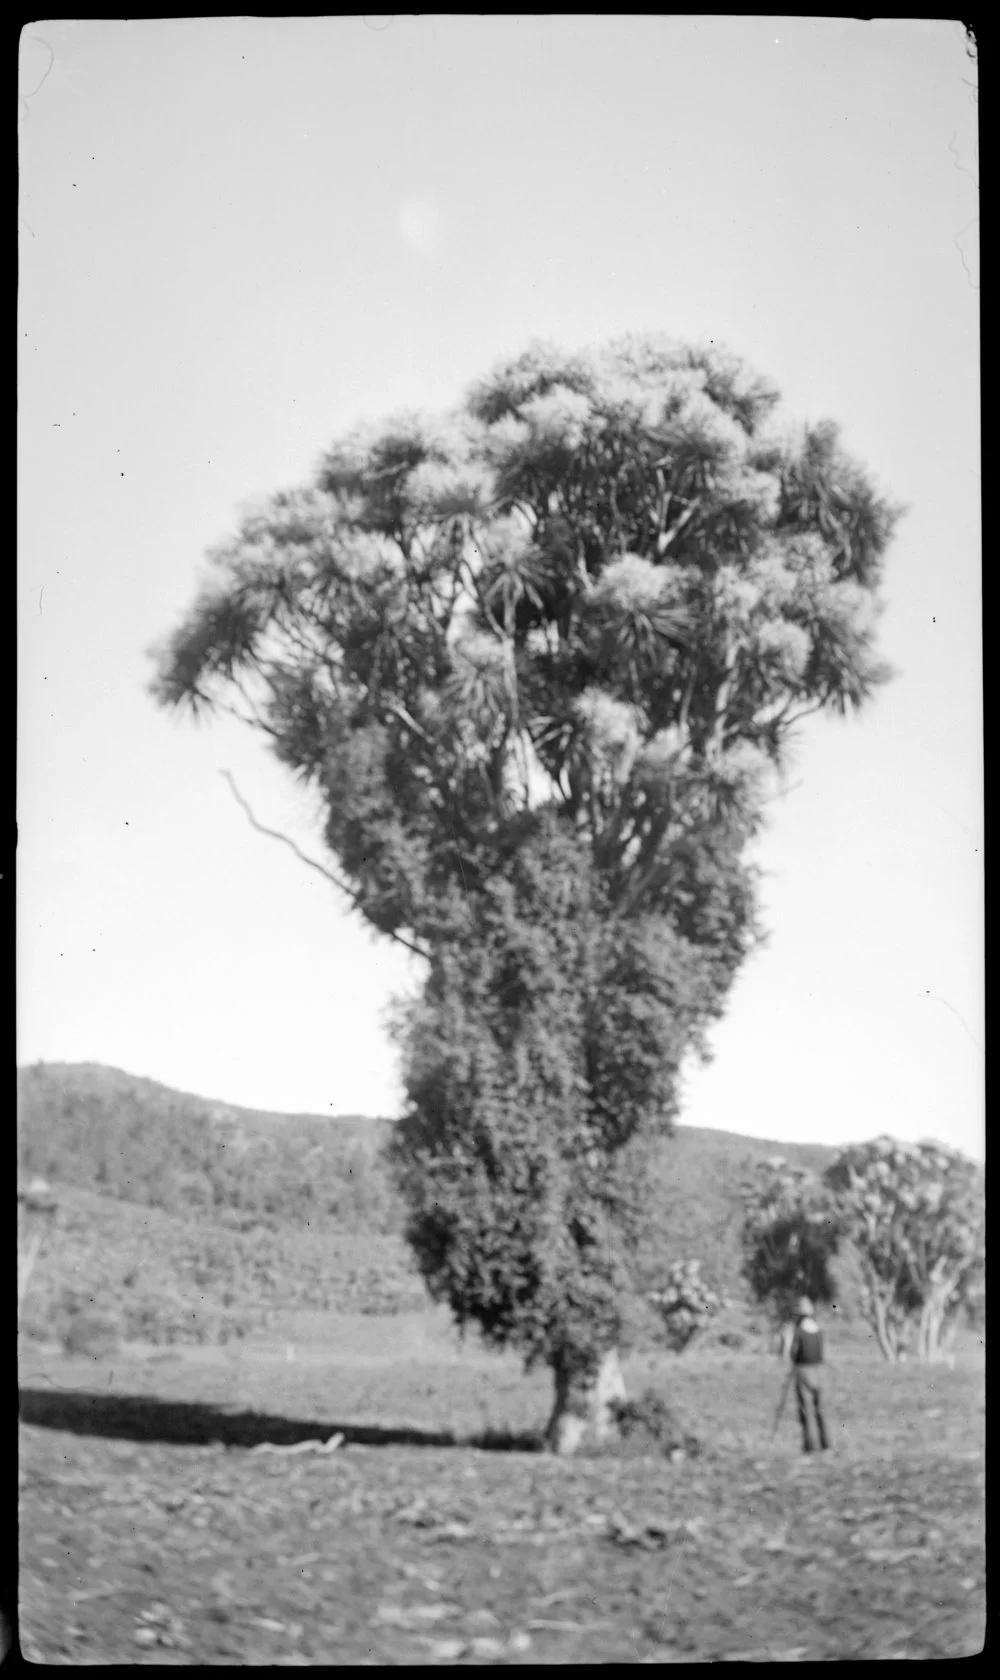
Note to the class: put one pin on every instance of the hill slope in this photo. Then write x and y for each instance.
(98, 1128)
(192, 1219)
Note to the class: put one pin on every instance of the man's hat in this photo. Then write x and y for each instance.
(804, 1306)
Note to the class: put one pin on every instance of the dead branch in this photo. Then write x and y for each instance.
(312, 863)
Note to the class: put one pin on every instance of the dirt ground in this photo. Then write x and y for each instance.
(158, 1525)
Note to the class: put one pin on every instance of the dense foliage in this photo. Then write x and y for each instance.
(140, 1142)
(685, 1304)
(539, 659)
(916, 1216)
(791, 1234)
(532, 1062)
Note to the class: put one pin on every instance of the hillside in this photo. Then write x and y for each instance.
(187, 1219)
(100, 1129)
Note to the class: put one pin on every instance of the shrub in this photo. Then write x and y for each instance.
(87, 1329)
(650, 1424)
(685, 1304)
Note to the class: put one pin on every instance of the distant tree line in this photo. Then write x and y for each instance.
(912, 1216)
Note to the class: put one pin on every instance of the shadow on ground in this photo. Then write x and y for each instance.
(140, 1417)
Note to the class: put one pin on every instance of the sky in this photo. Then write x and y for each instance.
(238, 238)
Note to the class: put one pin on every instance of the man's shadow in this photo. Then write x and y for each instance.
(194, 1423)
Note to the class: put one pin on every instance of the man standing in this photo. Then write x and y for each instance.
(806, 1355)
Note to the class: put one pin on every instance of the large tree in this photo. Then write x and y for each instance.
(539, 659)
(916, 1216)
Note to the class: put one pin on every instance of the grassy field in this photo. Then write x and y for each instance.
(156, 1527)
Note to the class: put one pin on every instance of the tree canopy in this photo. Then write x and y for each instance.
(916, 1215)
(792, 1227)
(607, 587)
(539, 658)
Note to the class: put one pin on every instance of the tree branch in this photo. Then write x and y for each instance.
(254, 721)
(665, 538)
(312, 863)
(789, 717)
(398, 710)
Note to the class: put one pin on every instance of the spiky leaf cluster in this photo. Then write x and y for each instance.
(607, 587)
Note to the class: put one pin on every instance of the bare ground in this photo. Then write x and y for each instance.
(157, 1527)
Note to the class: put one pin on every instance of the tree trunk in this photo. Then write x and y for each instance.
(932, 1317)
(886, 1340)
(25, 1266)
(35, 1211)
(583, 1405)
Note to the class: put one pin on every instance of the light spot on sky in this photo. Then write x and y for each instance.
(421, 225)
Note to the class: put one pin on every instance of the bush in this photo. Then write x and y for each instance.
(685, 1304)
(164, 1320)
(650, 1424)
(85, 1328)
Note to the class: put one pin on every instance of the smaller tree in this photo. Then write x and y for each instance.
(916, 1217)
(790, 1236)
(686, 1304)
(36, 1210)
